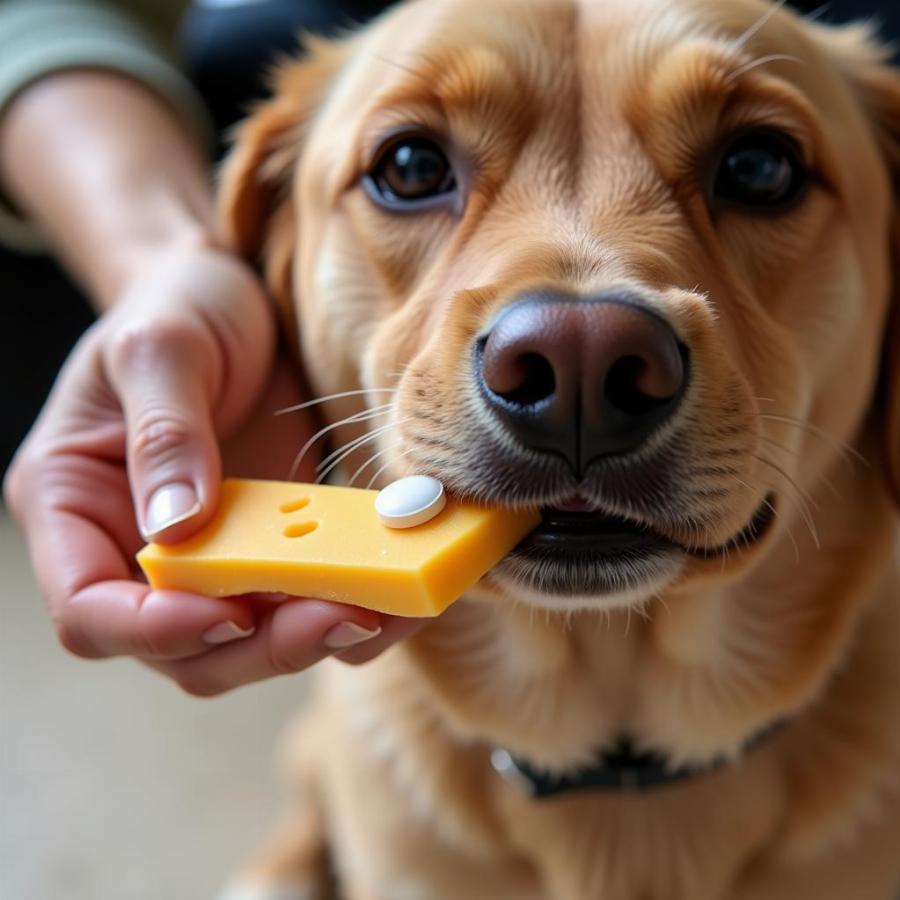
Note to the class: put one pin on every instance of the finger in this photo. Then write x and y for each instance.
(296, 635)
(122, 618)
(167, 375)
(70, 514)
(393, 630)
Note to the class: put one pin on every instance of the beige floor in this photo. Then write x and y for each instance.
(113, 785)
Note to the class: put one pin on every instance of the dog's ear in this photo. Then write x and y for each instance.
(255, 207)
(892, 388)
(866, 64)
(880, 84)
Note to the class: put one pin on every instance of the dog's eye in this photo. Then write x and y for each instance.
(411, 169)
(761, 172)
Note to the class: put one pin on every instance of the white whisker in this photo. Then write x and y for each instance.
(774, 512)
(817, 13)
(790, 451)
(759, 24)
(357, 417)
(843, 448)
(386, 466)
(784, 448)
(372, 459)
(762, 61)
(662, 602)
(342, 394)
(371, 436)
(801, 498)
(378, 411)
(787, 477)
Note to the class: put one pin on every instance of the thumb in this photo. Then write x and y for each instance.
(165, 376)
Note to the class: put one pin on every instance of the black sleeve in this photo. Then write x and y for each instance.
(885, 14)
(228, 48)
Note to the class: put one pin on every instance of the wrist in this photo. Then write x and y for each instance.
(139, 253)
(128, 183)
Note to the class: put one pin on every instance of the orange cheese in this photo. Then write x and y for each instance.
(328, 542)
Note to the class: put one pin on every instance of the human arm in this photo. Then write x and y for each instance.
(179, 360)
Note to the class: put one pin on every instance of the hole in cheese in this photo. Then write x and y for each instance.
(294, 505)
(300, 529)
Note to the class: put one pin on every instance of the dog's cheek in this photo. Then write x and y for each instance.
(426, 349)
(720, 419)
(373, 287)
(398, 345)
(338, 299)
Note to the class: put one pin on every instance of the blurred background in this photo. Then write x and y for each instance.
(113, 784)
(110, 779)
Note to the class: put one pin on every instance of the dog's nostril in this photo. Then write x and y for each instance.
(531, 380)
(622, 386)
(625, 387)
(514, 371)
(638, 384)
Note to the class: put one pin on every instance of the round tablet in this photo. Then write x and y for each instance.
(410, 501)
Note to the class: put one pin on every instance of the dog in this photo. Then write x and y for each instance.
(633, 263)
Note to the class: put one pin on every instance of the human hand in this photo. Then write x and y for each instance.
(127, 449)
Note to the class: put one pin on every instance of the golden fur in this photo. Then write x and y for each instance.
(585, 121)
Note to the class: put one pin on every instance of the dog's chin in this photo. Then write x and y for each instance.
(562, 587)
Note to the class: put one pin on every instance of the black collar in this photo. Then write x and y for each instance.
(621, 767)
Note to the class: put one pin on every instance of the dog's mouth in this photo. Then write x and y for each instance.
(578, 551)
(579, 530)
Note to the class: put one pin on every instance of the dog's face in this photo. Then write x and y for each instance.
(625, 261)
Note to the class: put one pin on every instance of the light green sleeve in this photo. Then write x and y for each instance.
(38, 37)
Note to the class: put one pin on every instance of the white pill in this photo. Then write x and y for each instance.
(410, 501)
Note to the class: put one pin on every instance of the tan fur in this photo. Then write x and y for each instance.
(583, 123)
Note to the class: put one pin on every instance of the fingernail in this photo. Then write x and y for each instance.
(170, 505)
(348, 634)
(225, 632)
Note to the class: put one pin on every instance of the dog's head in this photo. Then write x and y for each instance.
(628, 262)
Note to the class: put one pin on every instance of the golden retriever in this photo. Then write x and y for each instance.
(629, 261)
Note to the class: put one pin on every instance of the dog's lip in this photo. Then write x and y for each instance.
(752, 533)
(575, 524)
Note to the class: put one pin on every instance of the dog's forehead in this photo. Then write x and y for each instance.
(459, 52)
(521, 28)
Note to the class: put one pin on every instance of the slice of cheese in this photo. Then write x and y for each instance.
(328, 542)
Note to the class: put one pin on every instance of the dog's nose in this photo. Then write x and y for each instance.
(582, 378)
